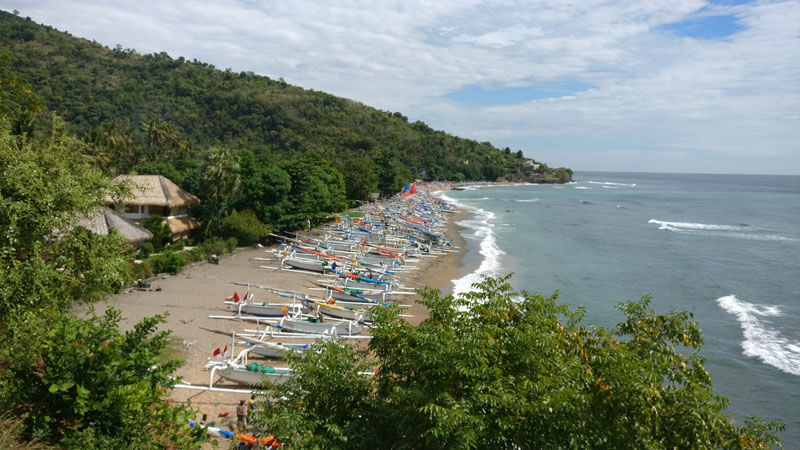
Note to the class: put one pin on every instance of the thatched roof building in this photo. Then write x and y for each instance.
(157, 195)
(157, 190)
(104, 219)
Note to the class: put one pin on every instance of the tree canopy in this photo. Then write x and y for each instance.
(147, 108)
(74, 382)
(500, 369)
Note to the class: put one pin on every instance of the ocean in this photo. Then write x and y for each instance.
(724, 247)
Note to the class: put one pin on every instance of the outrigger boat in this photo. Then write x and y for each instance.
(315, 326)
(248, 305)
(240, 371)
(341, 312)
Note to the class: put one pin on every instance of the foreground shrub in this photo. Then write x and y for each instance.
(93, 387)
(499, 369)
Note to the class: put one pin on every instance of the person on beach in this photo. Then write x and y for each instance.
(252, 402)
(241, 416)
(203, 421)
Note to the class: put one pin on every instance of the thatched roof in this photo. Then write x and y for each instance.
(156, 190)
(182, 224)
(104, 219)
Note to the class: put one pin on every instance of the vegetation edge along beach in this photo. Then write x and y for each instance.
(490, 368)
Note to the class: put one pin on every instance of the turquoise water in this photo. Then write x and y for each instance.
(724, 247)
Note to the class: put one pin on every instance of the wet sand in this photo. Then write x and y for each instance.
(199, 290)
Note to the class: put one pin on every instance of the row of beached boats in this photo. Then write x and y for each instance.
(360, 260)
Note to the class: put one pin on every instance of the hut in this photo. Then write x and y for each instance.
(105, 219)
(157, 195)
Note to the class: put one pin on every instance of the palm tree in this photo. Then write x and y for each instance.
(222, 169)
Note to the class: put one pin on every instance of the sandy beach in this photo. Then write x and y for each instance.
(200, 290)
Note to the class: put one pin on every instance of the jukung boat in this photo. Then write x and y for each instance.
(274, 350)
(240, 371)
(248, 305)
(315, 326)
(254, 374)
(341, 312)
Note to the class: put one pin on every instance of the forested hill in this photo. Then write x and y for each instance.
(118, 95)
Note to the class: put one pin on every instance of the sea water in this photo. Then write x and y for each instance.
(723, 247)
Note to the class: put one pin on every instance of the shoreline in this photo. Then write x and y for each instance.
(189, 297)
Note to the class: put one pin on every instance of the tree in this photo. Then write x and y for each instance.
(488, 371)
(222, 169)
(75, 382)
(162, 233)
(360, 178)
(18, 102)
(264, 188)
(317, 191)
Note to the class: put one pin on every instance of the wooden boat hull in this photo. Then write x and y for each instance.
(308, 264)
(272, 309)
(342, 312)
(276, 351)
(243, 376)
(304, 326)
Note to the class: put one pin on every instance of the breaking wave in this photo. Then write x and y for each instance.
(610, 184)
(760, 339)
(482, 227)
(738, 231)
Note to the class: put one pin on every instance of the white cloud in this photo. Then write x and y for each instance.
(661, 102)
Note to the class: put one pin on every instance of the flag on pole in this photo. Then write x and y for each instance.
(217, 351)
(225, 352)
(236, 297)
(409, 191)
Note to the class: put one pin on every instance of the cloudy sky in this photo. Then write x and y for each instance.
(626, 85)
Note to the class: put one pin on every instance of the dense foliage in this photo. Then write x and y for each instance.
(238, 141)
(71, 381)
(138, 108)
(498, 369)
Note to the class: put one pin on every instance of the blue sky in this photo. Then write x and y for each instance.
(679, 86)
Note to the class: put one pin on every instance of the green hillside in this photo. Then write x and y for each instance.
(119, 95)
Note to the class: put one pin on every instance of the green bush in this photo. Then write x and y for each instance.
(162, 234)
(146, 250)
(167, 262)
(140, 271)
(245, 227)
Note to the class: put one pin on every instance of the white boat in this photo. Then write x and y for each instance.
(254, 373)
(317, 327)
(339, 312)
(249, 305)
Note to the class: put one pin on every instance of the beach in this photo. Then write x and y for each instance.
(188, 298)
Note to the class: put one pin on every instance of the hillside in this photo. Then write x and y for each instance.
(116, 94)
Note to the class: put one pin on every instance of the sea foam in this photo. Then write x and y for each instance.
(610, 184)
(760, 340)
(738, 231)
(483, 228)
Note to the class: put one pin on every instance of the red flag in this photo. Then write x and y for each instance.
(217, 352)
(225, 352)
(236, 297)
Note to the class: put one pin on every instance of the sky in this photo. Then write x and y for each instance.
(622, 85)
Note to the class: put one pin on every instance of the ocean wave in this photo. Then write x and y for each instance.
(608, 183)
(527, 200)
(583, 187)
(760, 340)
(490, 264)
(737, 231)
(698, 226)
